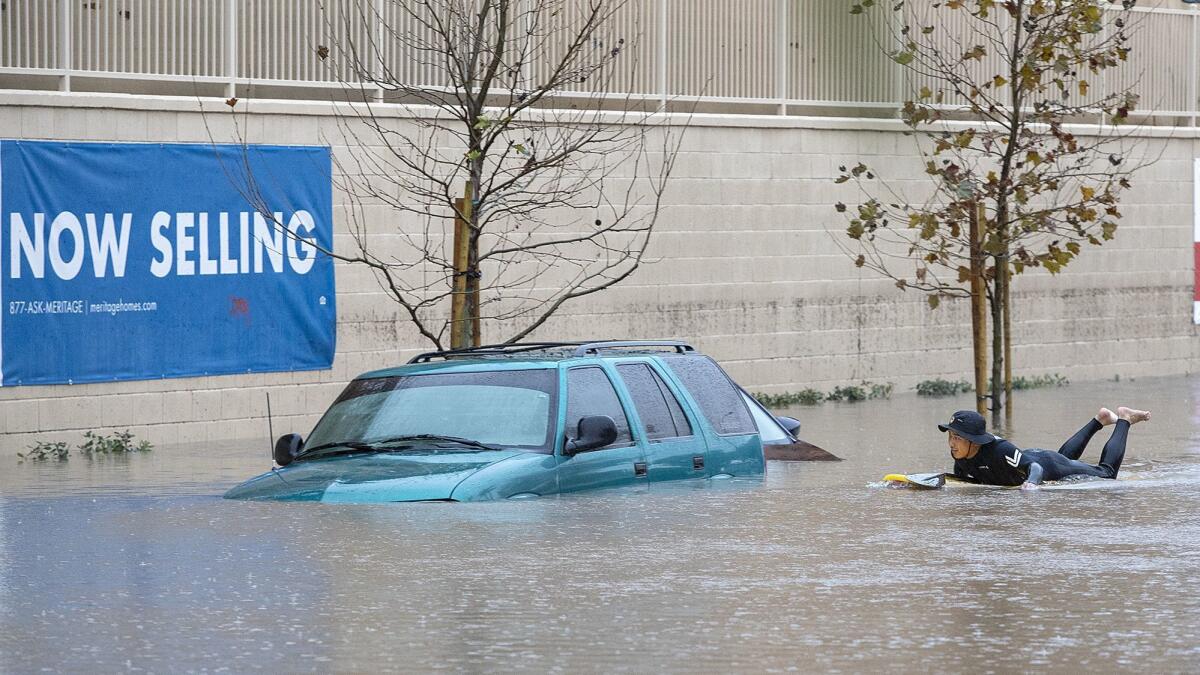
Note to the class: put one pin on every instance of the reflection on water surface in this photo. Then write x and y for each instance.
(136, 564)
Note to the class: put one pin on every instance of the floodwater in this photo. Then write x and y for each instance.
(138, 565)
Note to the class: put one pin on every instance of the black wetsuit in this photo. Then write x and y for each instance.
(1002, 463)
(997, 463)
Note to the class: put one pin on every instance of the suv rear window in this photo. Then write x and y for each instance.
(718, 398)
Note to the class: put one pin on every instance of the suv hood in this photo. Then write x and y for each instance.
(405, 476)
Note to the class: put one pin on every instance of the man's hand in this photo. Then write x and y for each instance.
(1034, 478)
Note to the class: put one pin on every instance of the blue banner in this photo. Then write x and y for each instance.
(124, 261)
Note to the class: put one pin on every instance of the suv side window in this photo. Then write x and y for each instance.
(719, 400)
(656, 405)
(590, 393)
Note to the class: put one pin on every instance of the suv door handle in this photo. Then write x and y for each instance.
(639, 469)
(698, 462)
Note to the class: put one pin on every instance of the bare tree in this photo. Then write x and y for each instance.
(521, 174)
(994, 87)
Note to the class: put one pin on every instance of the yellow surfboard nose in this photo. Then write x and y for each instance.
(927, 481)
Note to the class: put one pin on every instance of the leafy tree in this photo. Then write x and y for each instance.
(995, 86)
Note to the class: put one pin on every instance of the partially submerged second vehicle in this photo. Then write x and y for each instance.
(525, 420)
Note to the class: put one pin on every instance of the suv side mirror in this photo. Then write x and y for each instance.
(789, 424)
(287, 447)
(594, 432)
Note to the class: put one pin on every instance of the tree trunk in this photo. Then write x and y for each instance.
(1008, 407)
(461, 322)
(978, 310)
(997, 387)
(473, 278)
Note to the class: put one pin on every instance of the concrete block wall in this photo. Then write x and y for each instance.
(744, 263)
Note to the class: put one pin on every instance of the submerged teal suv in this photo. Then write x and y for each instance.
(521, 420)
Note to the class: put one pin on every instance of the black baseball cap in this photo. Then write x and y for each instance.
(970, 425)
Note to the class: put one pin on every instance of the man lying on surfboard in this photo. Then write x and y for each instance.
(980, 457)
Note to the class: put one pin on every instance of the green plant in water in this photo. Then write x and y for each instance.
(940, 387)
(863, 392)
(1040, 381)
(883, 390)
(867, 390)
(803, 397)
(42, 451)
(119, 443)
(848, 393)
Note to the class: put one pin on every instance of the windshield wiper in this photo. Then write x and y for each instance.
(350, 446)
(436, 437)
(379, 445)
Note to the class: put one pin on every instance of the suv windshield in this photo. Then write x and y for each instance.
(511, 408)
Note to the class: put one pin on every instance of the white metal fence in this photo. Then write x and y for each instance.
(783, 53)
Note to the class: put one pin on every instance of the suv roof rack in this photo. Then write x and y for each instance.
(595, 347)
(579, 348)
(492, 350)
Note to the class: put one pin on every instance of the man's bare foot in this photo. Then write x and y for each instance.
(1106, 417)
(1133, 416)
